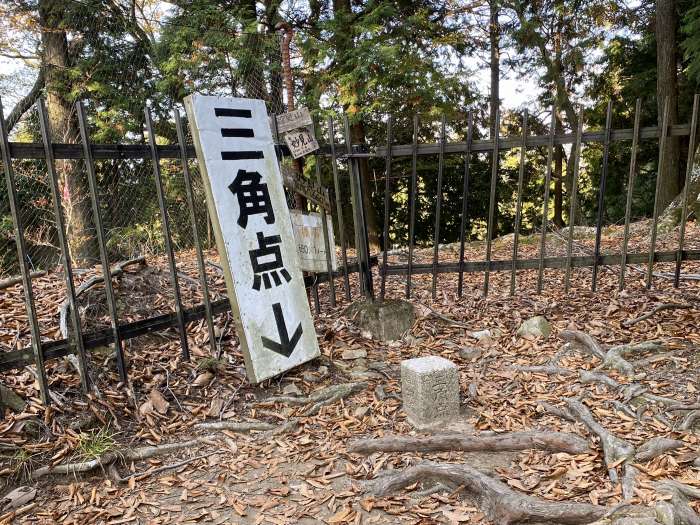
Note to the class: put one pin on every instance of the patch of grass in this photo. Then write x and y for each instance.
(22, 464)
(95, 443)
(211, 364)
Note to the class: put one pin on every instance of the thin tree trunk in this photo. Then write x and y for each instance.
(63, 124)
(667, 88)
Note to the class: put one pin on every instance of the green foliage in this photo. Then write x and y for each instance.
(95, 443)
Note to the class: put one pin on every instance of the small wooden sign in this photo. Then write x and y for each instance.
(298, 118)
(301, 141)
(307, 188)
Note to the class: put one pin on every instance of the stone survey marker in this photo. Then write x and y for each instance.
(429, 389)
(253, 232)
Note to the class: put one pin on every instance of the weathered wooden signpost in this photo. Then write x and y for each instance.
(253, 232)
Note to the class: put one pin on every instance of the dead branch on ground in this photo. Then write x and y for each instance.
(510, 441)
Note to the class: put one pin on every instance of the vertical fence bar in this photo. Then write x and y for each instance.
(492, 200)
(438, 206)
(545, 203)
(413, 197)
(189, 193)
(22, 259)
(465, 195)
(63, 243)
(630, 187)
(353, 192)
(572, 200)
(365, 266)
(358, 204)
(519, 203)
(339, 209)
(688, 173)
(101, 241)
(326, 237)
(655, 219)
(314, 293)
(601, 197)
(172, 265)
(387, 190)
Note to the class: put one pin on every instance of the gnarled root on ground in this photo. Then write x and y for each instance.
(320, 398)
(510, 441)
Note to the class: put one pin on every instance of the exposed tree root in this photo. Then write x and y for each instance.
(615, 449)
(125, 455)
(550, 441)
(501, 504)
(115, 271)
(11, 281)
(656, 310)
(655, 447)
(114, 473)
(320, 398)
(236, 426)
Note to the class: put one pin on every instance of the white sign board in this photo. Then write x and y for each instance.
(253, 232)
(308, 233)
(293, 120)
(301, 142)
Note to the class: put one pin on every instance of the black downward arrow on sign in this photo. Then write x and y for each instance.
(286, 345)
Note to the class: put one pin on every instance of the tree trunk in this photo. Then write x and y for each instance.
(667, 88)
(55, 64)
(344, 46)
(494, 43)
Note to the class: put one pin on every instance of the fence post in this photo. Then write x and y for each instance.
(545, 202)
(655, 219)
(63, 243)
(361, 236)
(630, 188)
(688, 173)
(412, 204)
(438, 206)
(324, 229)
(465, 195)
(101, 241)
(195, 234)
(601, 196)
(22, 256)
(387, 190)
(339, 209)
(572, 200)
(519, 202)
(155, 160)
(492, 200)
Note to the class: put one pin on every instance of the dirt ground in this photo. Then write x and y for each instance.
(301, 471)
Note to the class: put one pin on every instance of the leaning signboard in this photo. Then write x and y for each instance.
(253, 232)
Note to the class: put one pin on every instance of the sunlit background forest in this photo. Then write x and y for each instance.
(365, 60)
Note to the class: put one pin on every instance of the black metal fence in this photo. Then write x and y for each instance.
(337, 153)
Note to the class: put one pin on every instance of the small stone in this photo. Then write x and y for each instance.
(323, 370)
(310, 377)
(382, 320)
(470, 353)
(354, 353)
(481, 334)
(291, 389)
(360, 412)
(430, 390)
(535, 327)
